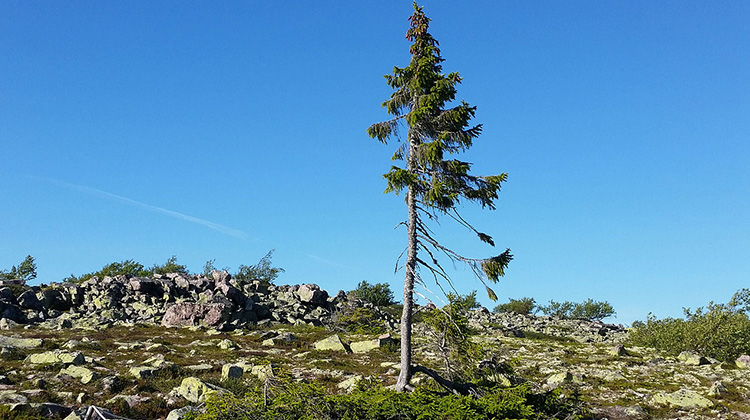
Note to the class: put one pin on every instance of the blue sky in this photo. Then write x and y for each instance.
(140, 130)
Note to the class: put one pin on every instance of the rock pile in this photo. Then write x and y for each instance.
(220, 302)
(173, 299)
(518, 325)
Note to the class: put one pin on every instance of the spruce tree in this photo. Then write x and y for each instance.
(435, 184)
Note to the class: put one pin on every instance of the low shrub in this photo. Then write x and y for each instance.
(523, 306)
(378, 294)
(375, 402)
(589, 309)
(721, 331)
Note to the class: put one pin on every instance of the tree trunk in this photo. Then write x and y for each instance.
(404, 376)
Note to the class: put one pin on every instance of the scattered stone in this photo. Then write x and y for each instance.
(743, 362)
(20, 343)
(84, 374)
(369, 345)
(203, 367)
(56, 356)
(331, 343)
(12, 397)
(683, 398)
(618, 351)
(143, 372)
(232, 371)
(283, 338)
(690, 358)
(263, 371)
(196, 391)
(227, 344)
(717, 389)
(180, 413)
(349, 383)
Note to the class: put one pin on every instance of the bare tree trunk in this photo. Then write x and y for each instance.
(404, 376)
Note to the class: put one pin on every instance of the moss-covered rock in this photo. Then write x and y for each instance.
(196, 391)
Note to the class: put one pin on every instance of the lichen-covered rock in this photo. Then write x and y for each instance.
(690, 358)
(20, 343)
(233, 370)
(12, 397)
(743, 362)
(369, 345)
(86, 375)
(331, 343)
(196, 391)
(181, 413)
(683, 398)
(56, 356)
(142, 372)
(349, 383)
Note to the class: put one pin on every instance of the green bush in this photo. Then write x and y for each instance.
(262, 271)
(308, 401)
(721, 331)
(523, 306)
(589, 309)
(378, 294)
(170, 266)
(127, 268)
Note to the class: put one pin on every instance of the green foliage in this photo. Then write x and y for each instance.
(309, 401)
(423, 100)
(26, 270)
(721, 331)
(170, 266)
(523, 306)
(357, 320)
(378, 294)
(262, 271)
(126, 268)
(589, 309)
(451, 338)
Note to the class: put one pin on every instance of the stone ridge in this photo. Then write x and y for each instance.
(220, 302)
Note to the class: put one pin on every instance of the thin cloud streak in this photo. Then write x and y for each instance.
(177, 215)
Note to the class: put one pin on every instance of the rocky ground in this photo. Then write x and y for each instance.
(147, 368)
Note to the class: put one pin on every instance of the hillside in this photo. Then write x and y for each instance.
(143, 347)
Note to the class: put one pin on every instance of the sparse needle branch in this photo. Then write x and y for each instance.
(434, 185)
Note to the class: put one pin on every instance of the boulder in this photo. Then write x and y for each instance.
(20, 343)
(196, 391)
(180, 413)
(283, 338)
(743, 362)
(28, 300)
(618, 350)
(229, 371)
(56, 356)
(690, 358)
(683, 399)
(183, 314)
(369, 345)
(311, 293)
(12, 397)
(142, 372)
(84, 374)
(331, 343)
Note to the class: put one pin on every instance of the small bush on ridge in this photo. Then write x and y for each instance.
(378, 294)
(523, 306)
(589, 309)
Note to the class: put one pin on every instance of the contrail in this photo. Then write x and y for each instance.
(95, 191)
